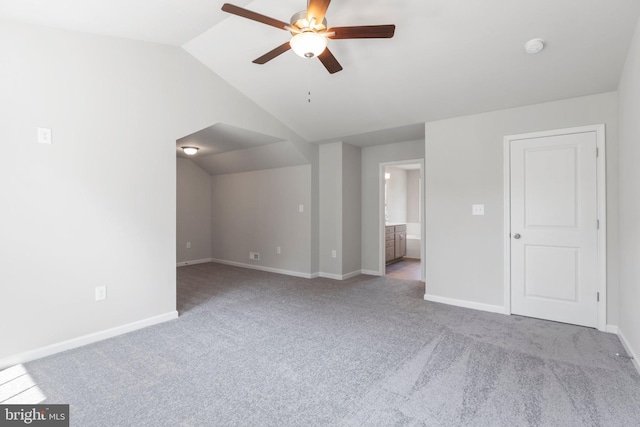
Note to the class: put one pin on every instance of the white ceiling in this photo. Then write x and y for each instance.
(161, 21)
(448, 57)
(220, 138)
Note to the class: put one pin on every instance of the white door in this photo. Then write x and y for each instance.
(554, 236)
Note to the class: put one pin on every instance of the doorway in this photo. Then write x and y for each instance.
(555, 225)
(402, 219)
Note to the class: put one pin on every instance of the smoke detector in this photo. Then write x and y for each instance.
(534, 46)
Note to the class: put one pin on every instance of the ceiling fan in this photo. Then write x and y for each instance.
(310, 33)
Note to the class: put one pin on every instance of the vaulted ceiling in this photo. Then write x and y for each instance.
(448, 57)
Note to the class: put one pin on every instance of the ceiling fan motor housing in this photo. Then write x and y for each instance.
(299, 20)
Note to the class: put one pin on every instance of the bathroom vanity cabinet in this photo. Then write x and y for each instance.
(395, 242)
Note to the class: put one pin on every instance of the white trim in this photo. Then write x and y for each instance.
(340, 276)
(601, 183)
(352, 274)
(330, 276)
(506, 176)
(85, 339)
(466, 304)
(267, 269)
(601, 175)
(371, 272)
(629, 350)
(612, 329)
(195, 261)
(382, 222)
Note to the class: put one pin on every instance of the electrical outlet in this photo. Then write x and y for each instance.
(477, 209)
(44, 135)
(278, 250)
(101, 293)
(255, 256)
(188, 245)
(334, 253)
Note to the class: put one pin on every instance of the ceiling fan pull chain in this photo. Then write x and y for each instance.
(308, 85)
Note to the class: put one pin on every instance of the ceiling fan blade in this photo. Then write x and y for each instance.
(329, 61)
(235, 10)
(363, 32)
(272, 54)
(317, 9)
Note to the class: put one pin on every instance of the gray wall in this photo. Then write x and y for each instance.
(330, 190)
(98, 206)
(629, 178)
(193, 212)
(351, 205)
(464, 165)
(396, 195)
(315, 212)
(413, 196)
(259, 211)
(371, 159)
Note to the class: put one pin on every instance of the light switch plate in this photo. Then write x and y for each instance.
(477, 209)
(101, 293)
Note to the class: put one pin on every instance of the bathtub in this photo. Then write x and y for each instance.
(413, 240)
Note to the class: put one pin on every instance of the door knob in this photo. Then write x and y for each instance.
(516, 236)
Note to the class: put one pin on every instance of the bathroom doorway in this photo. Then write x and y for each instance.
(402, 219)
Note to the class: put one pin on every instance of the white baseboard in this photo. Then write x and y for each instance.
(195, 261)
(629, 350)
(340, 276)
(371, 272)
(352, 274)
(466, 304)
(330, 276)
(612, 329)
(41, 352)
(281, 271)
(263, 268)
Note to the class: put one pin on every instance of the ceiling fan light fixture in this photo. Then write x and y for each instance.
(190, 151)
(308, 44)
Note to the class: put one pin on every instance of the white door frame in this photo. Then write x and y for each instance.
(602, 212)
(381, 220)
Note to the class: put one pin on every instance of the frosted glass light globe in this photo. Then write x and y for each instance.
(308, 44)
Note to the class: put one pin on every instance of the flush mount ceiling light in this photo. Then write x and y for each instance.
(190, 151)
(534, 46)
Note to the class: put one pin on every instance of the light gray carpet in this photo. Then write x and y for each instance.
(260, 349)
